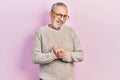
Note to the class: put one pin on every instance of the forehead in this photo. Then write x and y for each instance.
(61, 9)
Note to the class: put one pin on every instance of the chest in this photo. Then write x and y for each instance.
(48, 41)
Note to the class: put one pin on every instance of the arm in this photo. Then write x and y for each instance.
(77, 54)
(37, 55)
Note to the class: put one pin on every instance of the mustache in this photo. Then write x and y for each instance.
(60, 21)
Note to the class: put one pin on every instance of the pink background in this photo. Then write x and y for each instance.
(97, 24)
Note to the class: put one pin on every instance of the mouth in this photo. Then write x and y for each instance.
(60, 22)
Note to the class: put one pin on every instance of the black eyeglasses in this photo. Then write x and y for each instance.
(60, 15)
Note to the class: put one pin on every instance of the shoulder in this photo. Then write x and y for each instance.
(40, 30)
(69, 29)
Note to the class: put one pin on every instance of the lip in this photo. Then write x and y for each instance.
(59, 22)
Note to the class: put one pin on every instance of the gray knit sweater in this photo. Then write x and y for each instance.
(52, 68)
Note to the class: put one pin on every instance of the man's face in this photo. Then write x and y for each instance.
(59, 16)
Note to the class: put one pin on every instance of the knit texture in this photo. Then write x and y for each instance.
(52, 68)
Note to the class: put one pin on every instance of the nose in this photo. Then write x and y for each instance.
(62, 18)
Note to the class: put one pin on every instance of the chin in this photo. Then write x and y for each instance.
(60, 25)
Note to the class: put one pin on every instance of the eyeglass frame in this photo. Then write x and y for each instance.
(61, 15)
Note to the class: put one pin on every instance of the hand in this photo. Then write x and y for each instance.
(59, 52)
(62, 53)
(55, 49)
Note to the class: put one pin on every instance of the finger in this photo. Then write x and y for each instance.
(61, 54)
(57, 49)
(60, 48)
(62, 57)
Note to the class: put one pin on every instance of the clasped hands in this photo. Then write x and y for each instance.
(59, 52)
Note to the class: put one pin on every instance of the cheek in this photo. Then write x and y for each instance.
(64, 21)
(53, 17)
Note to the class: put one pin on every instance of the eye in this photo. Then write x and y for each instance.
(59, 15)
(65, 16)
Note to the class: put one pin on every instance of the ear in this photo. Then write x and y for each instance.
(50, 13)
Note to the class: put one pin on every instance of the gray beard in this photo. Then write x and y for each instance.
(55, 25)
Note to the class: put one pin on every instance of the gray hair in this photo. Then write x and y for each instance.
(57, 4)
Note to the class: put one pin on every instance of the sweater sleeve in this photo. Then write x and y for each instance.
(37, 55)
(77, 54)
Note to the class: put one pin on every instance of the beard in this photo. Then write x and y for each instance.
(55, 24)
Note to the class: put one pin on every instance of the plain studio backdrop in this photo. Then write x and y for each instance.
(96, 22)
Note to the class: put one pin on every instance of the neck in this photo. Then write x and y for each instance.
(51, 26)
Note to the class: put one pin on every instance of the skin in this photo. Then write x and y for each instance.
(59, 52)
(58, 21)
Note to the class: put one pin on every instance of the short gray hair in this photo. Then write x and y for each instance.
(57, 4)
